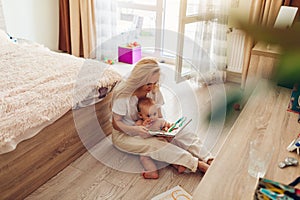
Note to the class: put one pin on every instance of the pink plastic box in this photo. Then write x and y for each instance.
(129, 55)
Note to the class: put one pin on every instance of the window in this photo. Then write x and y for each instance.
(141, 21)
(201, 26)
(155, 23)
(167, 28)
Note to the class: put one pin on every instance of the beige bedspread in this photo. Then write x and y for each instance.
(38, 86)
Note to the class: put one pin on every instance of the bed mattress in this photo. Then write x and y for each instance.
(38, 86)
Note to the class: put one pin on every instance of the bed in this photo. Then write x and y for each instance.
(53, 108)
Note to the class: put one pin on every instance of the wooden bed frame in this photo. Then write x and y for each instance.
(38, 159)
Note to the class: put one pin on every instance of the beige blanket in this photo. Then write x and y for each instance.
(38, 86)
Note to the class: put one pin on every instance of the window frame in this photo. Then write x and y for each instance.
(159, 14)
(184, 19)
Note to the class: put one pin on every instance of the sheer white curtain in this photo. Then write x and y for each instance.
(210, 43)
(106, 22)
(2, 20)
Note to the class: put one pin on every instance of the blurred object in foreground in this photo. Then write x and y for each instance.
(288, 68)
(233, 103)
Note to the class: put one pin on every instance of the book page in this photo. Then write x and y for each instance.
(176, 192)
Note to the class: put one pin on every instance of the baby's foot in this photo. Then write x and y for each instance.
(151, 171)
(150, 175)
(209, 161)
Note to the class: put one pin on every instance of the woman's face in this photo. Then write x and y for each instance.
(151, 85)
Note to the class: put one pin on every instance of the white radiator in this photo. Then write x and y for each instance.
(236, 40)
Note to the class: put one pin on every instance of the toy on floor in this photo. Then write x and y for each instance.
(295, 145)
(237, 106)
(288, 161)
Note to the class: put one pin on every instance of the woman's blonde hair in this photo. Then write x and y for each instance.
(139, 76)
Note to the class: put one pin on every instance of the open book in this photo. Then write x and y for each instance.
(178, 126)
(176, 192)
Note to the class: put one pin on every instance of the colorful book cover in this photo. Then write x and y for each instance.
(178, 126)
(272, 190)
(294, 105)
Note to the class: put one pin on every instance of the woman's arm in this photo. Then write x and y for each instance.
(119, 125)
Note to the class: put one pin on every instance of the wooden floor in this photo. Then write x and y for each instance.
(118, 176)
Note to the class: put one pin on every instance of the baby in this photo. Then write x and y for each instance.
(148, 113)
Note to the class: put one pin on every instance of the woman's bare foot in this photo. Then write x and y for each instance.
(150, 168)
(209, 161)
(179, 168)
(202, 166)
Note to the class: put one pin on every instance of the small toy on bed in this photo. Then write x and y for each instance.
(109, 61)
(133, 44)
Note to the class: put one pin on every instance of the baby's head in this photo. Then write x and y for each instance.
(147, 109)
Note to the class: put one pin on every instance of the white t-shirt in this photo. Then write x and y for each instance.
(127, 107)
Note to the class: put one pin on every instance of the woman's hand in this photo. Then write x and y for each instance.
(141, 131)
(129, 129)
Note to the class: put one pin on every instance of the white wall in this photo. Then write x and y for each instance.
(35, 20)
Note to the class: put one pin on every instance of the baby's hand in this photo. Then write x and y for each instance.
(147, 122)
(165, 128)
(167, 125)
(139, 122)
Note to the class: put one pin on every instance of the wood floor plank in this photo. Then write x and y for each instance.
(103, 191)
(52, 189)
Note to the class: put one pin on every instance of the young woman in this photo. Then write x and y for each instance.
(185, 150)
